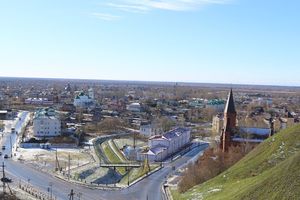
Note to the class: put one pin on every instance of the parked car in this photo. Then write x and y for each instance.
(0, 153)
(6, 180)
(6, 156)
(3, 147)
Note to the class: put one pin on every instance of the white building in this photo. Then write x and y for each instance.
(91, 93)
(38, 101)
(82, 100)
(134, 107)
(162, 146)
(46, 123)
(217, 123)
(149, 130)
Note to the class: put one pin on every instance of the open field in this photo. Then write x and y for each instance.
(46, 159)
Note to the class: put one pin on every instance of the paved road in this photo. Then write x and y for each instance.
(9, 139)
(147, 189)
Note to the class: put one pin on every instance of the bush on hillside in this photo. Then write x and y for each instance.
(212, 163)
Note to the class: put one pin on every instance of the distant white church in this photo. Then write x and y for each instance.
(83, 101)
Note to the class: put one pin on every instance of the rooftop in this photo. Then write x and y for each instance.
(45, 112)
(170, 134)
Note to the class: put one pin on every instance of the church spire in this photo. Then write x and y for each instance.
(229, 123)
(230, 108)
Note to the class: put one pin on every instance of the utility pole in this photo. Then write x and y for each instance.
(3, 178)
(128, 177)
(11, 148)
(134, 142)
(69, 167)
(57, 167)
(51, 184)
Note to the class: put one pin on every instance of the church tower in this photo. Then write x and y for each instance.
(229, 123)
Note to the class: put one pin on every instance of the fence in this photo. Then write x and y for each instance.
(29, 189)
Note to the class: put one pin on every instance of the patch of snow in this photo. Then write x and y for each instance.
(214, 190)
(214, 158)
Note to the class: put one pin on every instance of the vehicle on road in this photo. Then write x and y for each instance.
(0, 153)
(3, 147)
(6, 156)
(6, 180)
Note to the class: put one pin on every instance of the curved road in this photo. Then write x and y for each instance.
(147, 189)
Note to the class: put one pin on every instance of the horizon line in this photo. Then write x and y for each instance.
(152, 81)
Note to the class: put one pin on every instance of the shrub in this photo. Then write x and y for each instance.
(212, 163)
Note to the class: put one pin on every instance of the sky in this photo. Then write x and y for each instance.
(214, 41)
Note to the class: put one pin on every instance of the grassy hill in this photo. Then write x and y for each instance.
(270, 171)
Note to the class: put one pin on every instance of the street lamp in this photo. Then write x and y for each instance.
(128, 177)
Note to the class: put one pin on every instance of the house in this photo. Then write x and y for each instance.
(134, 107)
(162, 146)
(38, 101)
(216, 104)
(68, 107)
(149, 130)
(217, 123)
(46, 123)
(3, 114)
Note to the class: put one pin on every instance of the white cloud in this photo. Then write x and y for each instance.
(173, 5)
(106, 16)
(129, 7)
(145, 6)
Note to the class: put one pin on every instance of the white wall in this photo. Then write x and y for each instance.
(46, 127)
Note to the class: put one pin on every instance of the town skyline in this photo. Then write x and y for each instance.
(181, 83)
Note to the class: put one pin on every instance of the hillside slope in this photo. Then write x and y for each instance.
(270, 171)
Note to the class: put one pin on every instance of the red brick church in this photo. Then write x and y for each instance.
(232, 135)
(229, 123)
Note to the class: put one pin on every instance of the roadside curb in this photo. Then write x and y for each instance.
(144, 176)
(107, 188)
(88, 185)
